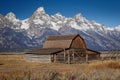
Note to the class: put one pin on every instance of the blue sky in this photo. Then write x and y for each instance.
(106, 12)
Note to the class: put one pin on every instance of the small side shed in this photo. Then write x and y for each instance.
(93, 54)
(64, 48)
(42, 55)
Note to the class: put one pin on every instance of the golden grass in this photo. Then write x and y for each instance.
(15, 67)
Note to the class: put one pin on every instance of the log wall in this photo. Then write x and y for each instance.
(38, 58)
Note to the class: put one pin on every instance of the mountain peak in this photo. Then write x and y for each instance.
(12, 18)
(10, 15)
(79, 17)
(58, 14)
(40, 10)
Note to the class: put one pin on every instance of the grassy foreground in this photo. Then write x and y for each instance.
(15, 67)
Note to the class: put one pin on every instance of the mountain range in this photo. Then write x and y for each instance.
(32, 32)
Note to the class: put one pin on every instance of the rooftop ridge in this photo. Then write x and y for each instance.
(62, 37)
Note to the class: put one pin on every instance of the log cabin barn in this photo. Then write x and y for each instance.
(63, 48)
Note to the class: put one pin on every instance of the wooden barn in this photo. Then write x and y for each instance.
(65, 48)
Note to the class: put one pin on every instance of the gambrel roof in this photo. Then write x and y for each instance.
(62, 41)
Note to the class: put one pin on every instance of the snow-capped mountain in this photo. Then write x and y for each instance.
(12, 18)
(33, 31)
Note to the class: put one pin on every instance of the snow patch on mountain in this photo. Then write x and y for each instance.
(25, 24)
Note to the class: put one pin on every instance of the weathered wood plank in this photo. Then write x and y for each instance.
(39, 58)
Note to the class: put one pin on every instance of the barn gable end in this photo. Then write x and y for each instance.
(78, 42)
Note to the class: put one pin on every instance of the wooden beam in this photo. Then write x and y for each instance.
(55, 57)
(64, 55)
(86, 57)
(73, 54)
(68, 57)
(52, 57)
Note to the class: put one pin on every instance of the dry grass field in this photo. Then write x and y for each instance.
(15, 67)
